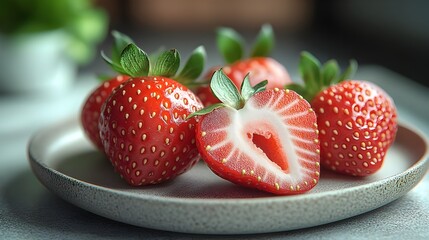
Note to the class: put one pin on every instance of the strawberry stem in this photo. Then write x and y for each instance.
(225, 90)
(264, 43)
(317, 77)
(247, 91)
(231, 44)
(128, 59)
(194, 66)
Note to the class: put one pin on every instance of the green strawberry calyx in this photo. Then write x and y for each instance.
(225, 90)
(231, 44)
(128, 59)
(317, 76)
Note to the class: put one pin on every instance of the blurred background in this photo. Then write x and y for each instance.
(391, 33)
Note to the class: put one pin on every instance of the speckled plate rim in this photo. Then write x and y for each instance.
(229, 214)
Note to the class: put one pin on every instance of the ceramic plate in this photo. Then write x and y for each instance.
(200, 202)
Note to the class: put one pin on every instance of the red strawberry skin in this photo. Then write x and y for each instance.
(90, 112)
(259, 68)
(144, 130)
(271, 144)
(358, 123)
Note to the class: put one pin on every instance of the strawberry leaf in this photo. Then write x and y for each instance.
(350, 71)
(317, 77)
(155, 55)
(194, 66)
(301, 90)
(134, 61)
(167, 64)
(264, 43)
(230, 44)
(121, 41)
(259, 87)
(330, 72)
(115, 66)
(128, 59)
(206, 110)
(225, 90)
(309, 68)
(247, 91)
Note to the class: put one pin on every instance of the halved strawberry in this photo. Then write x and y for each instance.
(143, 124)
(357, 119)
(262, 139)
(258, 65)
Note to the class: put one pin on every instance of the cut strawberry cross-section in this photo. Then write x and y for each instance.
(266, 139)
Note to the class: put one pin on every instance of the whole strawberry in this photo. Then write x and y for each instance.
(357, 120)
(260, 139)
(258, 64)
(143, 124)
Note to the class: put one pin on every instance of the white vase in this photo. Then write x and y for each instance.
(35, 63)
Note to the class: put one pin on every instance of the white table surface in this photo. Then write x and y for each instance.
(29, 211)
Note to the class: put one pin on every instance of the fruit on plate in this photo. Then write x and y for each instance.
(264, 139)
(357, 120)
(258, 64)
(143, 124)
(92, 106)
(90, 112)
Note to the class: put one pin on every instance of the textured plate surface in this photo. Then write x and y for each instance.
(200, 202)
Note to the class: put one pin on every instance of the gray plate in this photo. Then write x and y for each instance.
(200, 202)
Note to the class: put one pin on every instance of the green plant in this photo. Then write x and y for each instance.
(84, 24)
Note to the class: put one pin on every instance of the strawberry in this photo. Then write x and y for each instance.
(90, 112)
(262, 139)
(143, 124)
(258, 64)
(92, 106)
(357, 119)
